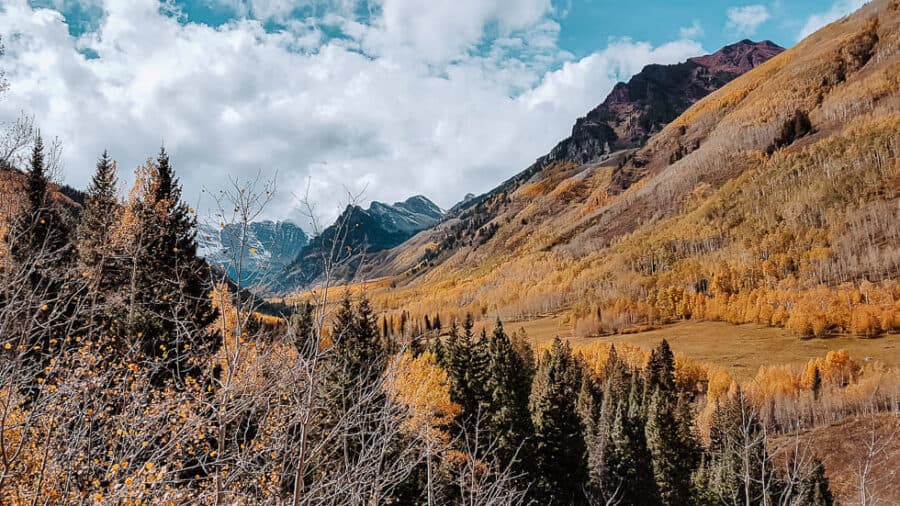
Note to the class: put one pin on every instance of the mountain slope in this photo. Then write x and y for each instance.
(768, 200)
(608, 134)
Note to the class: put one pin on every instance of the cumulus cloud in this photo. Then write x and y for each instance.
(238, 100)
(837, 10)
(691, 32)
(580, 80)
(745, 20)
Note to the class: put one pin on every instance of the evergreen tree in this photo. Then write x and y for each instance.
(814, 488)
(39, 235)
(39, 245)
(302, 330)
(560, 466)
(596, 429)
(519, 341)
(660, 370)
(95, 228)
(466, 362)
(674, 453)
(509, 387)
(169, 309)
(740, 471)
(353, 379)
(674, 450)
(816, 383)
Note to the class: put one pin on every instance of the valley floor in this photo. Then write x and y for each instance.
(741, 349)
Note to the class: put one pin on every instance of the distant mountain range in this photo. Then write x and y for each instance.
(357, 230)
(269, 247)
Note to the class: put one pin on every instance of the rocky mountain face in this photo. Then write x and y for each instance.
(654, 97)
(269, 247)
(358, 231)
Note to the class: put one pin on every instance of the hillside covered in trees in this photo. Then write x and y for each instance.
(772, 200)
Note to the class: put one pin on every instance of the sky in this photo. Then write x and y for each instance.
(381, 99)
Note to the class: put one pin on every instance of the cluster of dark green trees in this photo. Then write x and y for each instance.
(625, 436)
(129, 270)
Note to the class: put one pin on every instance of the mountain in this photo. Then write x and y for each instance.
(609, 134)
(270, 246)
(755, 203)
(652, 98)
(359, 231)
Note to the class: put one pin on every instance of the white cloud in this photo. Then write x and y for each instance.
(691, 32)
(235, 100)
(580, 81)
(745, 20)
(443, 29)
(837, 10)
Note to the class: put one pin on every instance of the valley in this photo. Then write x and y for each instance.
(740, 349)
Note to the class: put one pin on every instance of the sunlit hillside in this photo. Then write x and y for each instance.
(773, 201)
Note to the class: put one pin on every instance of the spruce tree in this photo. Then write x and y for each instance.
(660, 370)
(509, 387)
(816, 383)
(814, 488)
(560, 466)
(95, 228)
(353, 380)
(302, 331)
(740, 471)
(169, 309)
(674, 451)
(466, 361)
(596, 429)
(39, 235)
(39, 245)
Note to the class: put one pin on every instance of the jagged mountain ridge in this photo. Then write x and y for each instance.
(270, 246)
(655, 96)
(359, 231)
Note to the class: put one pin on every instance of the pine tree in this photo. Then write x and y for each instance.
(169, 309)
(740, 471)
(560, 466)
(353, 379)
(302, 330)
(39, 235)
(816, 383)
(39, 245)
(596, 429)
(466, 361)
(674, 453)
(814, 489)
(509, 387)
(660, 370)
(95, 228)
(627, 476)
